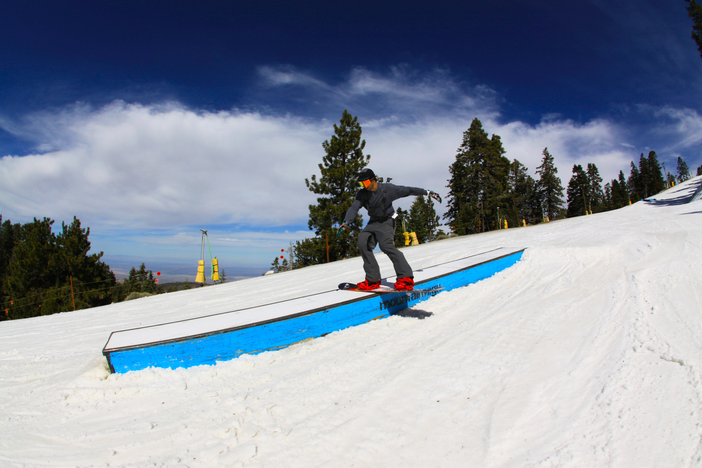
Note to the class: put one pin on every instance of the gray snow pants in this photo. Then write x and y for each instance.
(382, 234)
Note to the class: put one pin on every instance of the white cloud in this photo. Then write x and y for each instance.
(288, 75)
(165, 166)
(401, 93)
(683, 126)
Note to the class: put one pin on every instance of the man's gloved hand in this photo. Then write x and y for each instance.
(434, 195)
(341, 228)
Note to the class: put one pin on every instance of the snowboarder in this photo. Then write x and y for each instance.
(377, 198)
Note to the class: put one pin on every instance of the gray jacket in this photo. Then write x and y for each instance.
(379, 203)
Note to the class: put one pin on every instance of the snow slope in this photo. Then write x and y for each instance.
(588, 352)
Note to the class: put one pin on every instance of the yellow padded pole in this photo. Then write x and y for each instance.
(200, 278)
(215, 269)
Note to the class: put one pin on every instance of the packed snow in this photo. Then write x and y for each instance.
(586, 353)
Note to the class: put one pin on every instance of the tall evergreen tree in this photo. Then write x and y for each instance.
(51, 273)
(423, 219)
(9, 233)
(93, 282)
(650, 176)
(694, 11)
(607, 204)
(619, 194)
(646, 179)
(644, 185)
(479, 182)
(596, 200)
(337, 186)
(463, 195)
(683, 170)
(525, 199)
(32, 269)
(622, 184)
(634, 183)
(549, 188)
(656, 181)
(578, 192)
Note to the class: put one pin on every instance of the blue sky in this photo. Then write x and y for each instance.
(151, 120)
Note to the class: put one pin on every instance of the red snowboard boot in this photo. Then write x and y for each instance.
(404, 284)
(368, 285)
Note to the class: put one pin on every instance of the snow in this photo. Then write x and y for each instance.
(587, 352)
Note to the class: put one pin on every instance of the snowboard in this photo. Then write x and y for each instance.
(385, 289)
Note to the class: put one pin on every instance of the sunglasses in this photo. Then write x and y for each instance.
(365, 183)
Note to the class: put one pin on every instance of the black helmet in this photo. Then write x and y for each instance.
(365, 174)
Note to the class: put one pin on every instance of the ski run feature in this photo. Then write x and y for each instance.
(269, 327)
(586, 353)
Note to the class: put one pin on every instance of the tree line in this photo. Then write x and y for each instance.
(486, 191)
(43, 273)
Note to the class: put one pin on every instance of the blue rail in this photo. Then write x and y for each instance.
(276, 326)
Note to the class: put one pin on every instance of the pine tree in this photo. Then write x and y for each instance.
(32, 269)
(549, 188)
(337, 186)
(683, 170)
(644, 177)
(634, 183)
(694, 11)
(623, 187)
(650, 176)
(619, 194)
(423, 219)
(656, 181)
(92, 279)
(578, 192)
(9, 234)
(277, 266)
(607, 203)
(525, 200)
(222, 276)
(479, 182)
(596, 196)
(50, 273)
(139, 281)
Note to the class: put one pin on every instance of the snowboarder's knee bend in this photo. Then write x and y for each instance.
(387, 245)
(366, 241)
